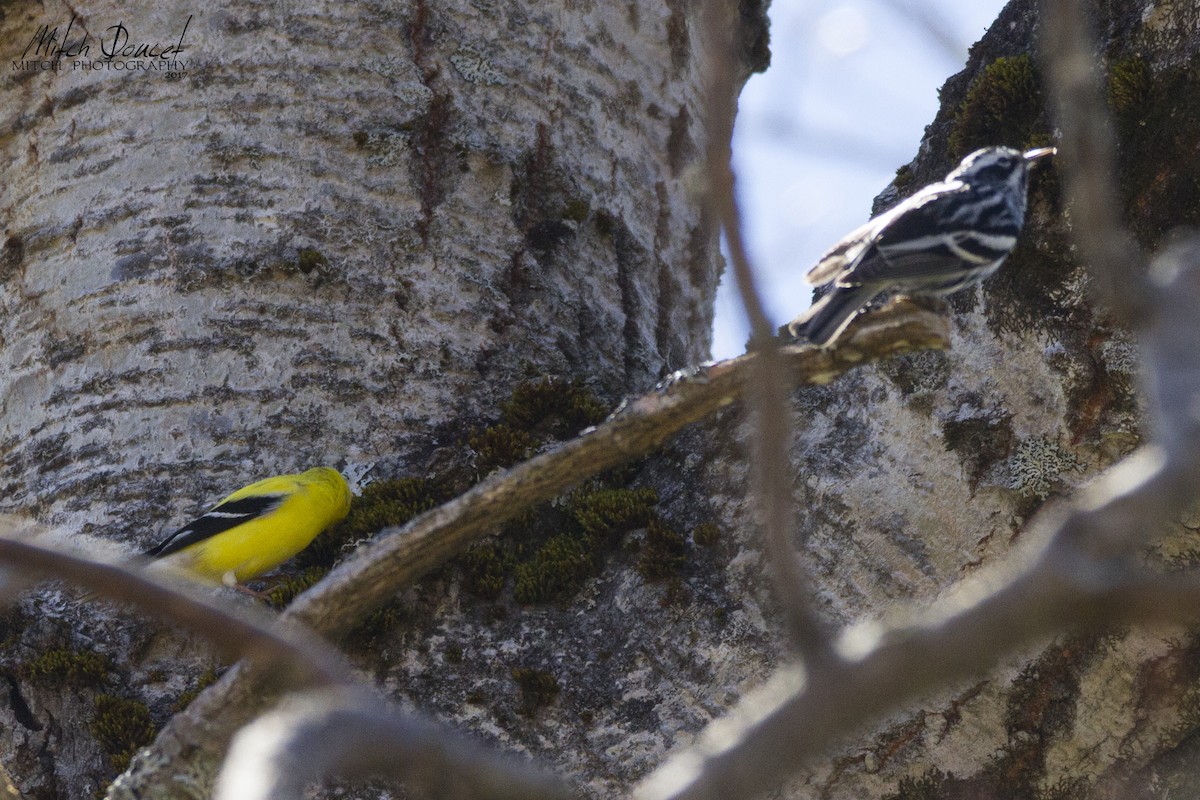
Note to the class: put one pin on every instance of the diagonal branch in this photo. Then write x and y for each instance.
(398, 556)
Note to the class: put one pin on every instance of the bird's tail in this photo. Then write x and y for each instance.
(828, 317)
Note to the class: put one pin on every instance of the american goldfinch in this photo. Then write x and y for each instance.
(259, 527)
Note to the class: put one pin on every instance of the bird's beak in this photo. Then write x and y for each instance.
(1041, 152)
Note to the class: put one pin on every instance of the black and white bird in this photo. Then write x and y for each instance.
(946, 237)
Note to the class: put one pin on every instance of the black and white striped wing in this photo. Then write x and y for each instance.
(949, 241)
(839, 264)
(225, 516)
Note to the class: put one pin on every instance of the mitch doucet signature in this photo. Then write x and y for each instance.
(114, 43)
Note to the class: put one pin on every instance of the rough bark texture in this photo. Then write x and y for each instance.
(342, 228)
(342, 234)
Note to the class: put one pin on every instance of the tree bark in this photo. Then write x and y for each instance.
(325, 234)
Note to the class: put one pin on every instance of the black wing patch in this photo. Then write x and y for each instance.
(228, 515)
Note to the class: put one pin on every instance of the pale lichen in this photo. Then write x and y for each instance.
(1038, 464)
(475, 68)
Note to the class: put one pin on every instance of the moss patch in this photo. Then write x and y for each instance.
(560, 547)
(382, 504)
(293, 584)
(1129, 89)
(1157, 114)
(62, 667)
(552, 408)
(979, 437)
(663, 552)
(1040, 705)
(928, 786)
(1003, 106)
(538, 688)
(706, 534)
(122, 727)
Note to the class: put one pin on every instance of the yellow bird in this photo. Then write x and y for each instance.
(258, 527)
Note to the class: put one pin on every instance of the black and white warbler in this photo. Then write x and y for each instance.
(946, 237)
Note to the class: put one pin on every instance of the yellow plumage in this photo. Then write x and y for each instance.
(258, 527)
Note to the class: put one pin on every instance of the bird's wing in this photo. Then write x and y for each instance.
(233, 511)
(841, 260)
(926, 243)
(842, 255)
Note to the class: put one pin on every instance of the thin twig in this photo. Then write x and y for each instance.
(1086, 152)
(772, 434)
(349, 735)
(288, 650)
(398, 556)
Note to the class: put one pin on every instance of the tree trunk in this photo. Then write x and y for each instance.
(324, 234)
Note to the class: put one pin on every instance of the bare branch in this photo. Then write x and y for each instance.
(346, 734)
(398, 556)
(1079, 570)
(259, 637)
(772, 429)
(1086, 156)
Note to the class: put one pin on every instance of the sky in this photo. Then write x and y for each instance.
(851, 87)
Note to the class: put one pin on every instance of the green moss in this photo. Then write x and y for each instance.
(122, 727)
(13, 622)
(538, 688)
(500, 447)
(1157, 116)
(556, 569)
(486, 567)
(552, 551)
(372, 634)
(552, 407)
(926, 787)
(607, 513)
(309, 259)
(904, 177)
(382, 504)
(291, 585)
(706, 534)
(72, 668)
(203, 682)
(1129, 88)
(576, 209)
(1003, 106)
(663, 552)
(454, 654)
